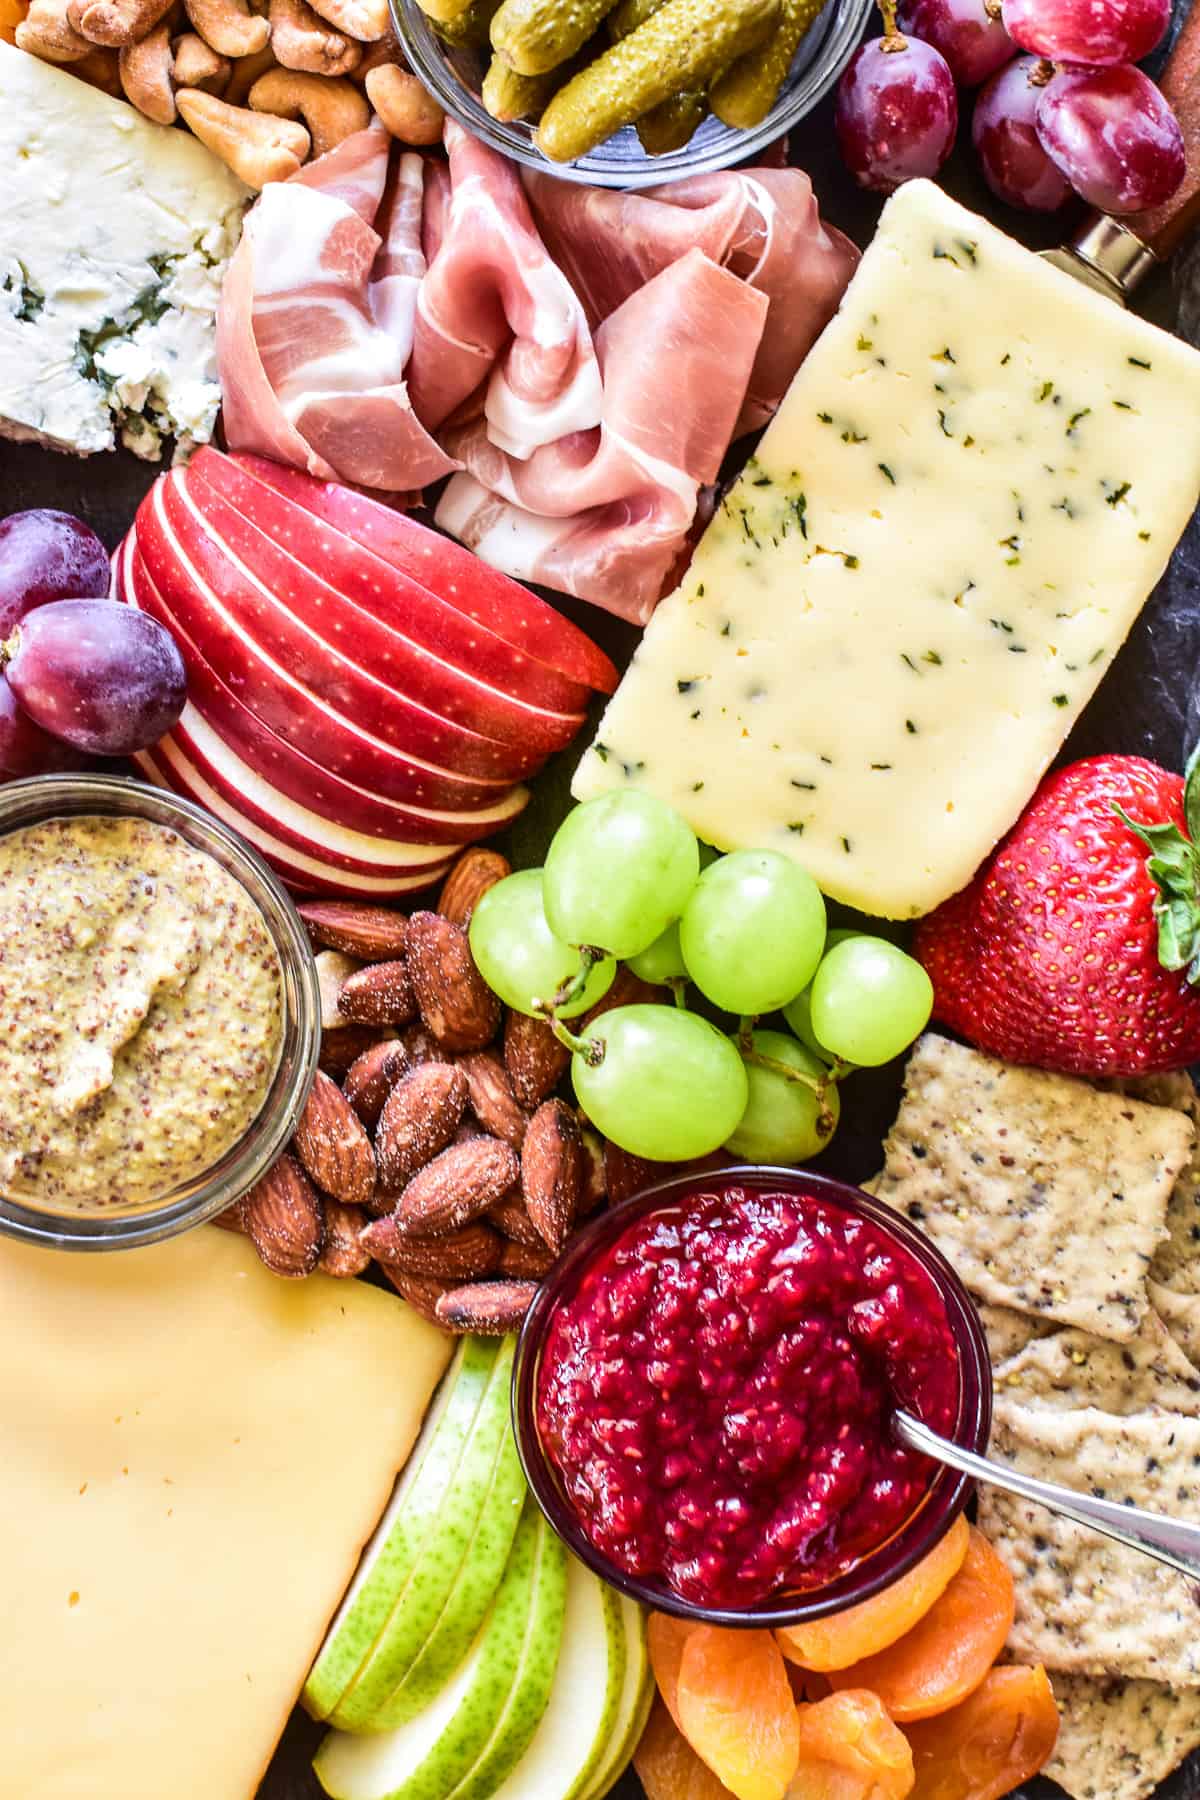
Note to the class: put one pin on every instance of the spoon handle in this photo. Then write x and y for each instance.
(1170, 1541)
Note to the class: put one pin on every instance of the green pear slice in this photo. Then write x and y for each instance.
(637, 1697)
(391, 1556)
(428, 1757)
(446, 1542)
(469, 1598)
(576, 1728)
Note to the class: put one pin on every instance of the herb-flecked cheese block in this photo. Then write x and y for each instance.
(911, 592)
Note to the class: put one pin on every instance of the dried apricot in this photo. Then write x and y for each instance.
(736, 1710)
(665, 1638)
(668, 1767)
(1000, 1736)
(850, 1750)
(948, 1652)
(846, 1637)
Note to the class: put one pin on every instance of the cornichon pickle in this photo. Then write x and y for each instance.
(628, 15)
(469, 30)
(534, 36)
(672, 124)
(444, 12)
(508, 96)
(745, 94)
(679, 48)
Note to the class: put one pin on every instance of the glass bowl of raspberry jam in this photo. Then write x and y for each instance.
(704, 1385)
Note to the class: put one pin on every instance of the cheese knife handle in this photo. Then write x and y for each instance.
(1163, 228)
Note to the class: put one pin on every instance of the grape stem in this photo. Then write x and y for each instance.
(591, 1049)
(893, 39)
(819, 1084)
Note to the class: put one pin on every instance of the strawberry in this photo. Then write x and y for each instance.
(1077, 945)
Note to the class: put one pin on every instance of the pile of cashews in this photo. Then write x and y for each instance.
(264, 83)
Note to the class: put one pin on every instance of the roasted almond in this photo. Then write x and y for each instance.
(552, 1170)
(491, 1098)
(371, 1078)
(341, 1048)
(380, 994)
(284, 1218)
(421, 1291)
(626, 1174)
(374, 933)
(535, 1060)
(594, 1183)
(419, 1118)
(333, 970)
(491, 1308)
(420, 1046)
(522, 1262)
(511, 1217)
(458, 1186)
(458, 1256)
(333, 1146)
(343, 1254)
(454, 1000)
(468, 881)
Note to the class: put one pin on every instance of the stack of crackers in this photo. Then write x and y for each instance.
(1072, 1212)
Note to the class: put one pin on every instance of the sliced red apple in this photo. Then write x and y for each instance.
(462, 580)
(389, 594)
(295, 774)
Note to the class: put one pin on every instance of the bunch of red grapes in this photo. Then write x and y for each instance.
(83, 676)
(1073, 115)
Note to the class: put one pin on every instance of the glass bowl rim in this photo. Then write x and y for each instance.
(38, 798)
(948, 1492)
(429, 59)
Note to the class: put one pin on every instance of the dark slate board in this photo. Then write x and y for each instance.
(1149, 702)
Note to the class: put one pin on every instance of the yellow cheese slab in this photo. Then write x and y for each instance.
(906, 600)
(194, 1454)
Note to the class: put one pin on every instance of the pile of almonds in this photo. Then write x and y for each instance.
(444, 1154)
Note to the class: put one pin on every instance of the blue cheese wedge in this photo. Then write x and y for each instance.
(913, 589)
(114, 235)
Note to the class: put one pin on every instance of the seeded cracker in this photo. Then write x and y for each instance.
(1118, 1739)
(1085, 1604)
(1073, 1369)
(1008, 1332)
(1045, 1194)
(1176, 1262)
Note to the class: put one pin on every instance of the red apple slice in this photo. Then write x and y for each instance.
(302, 872)
(289, 769)
(389, 594)
(220, 607)
(390, 655)
(462, 580)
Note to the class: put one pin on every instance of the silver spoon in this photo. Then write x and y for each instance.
(1169, 1541)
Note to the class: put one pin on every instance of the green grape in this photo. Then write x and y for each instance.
(619, 869)
(518, 955)
(661, 961)
(753, 931)
(798, 1013)
(670, 1085)
(869, 1000)
(784, 1121)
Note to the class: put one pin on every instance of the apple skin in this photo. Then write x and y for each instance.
(390, 594)
(295, 774)
(480, 592)
(224, 614)
(304, 597)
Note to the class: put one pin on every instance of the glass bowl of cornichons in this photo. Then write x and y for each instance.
(628, 93)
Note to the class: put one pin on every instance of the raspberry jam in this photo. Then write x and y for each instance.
(715, 1392)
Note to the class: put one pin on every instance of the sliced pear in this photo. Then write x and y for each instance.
(427, 1758)
(637, 1697)
(444, 1548)
(469, 1598)
(391, 1556)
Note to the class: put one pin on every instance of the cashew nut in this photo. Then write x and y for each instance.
(246, 71)
(101, 69)
(408, 111)
(301, 39)
(146, 71)
(228, 26)
(116, 22)
(197, 66)
(332, 109)
(257, 146)
(46, 31)
(365, 20)
(378, 55)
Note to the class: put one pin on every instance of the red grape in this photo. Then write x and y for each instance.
(1113, 136)
(896, 112)
(1004, 133)
(25, 749)
(97, 674)
(1087, 31)
(46, 555)
(973, 42)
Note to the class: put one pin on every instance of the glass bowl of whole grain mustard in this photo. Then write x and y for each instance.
(159, 1013)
